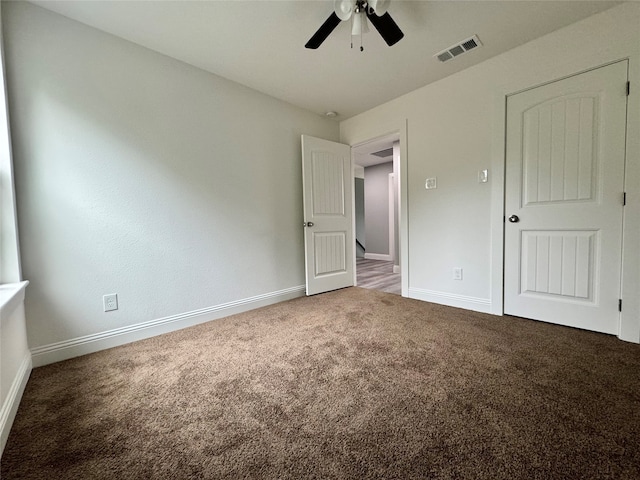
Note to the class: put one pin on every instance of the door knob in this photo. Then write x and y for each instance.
(514, 219)
(308, 224)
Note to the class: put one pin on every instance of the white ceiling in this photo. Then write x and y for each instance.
(260, 44)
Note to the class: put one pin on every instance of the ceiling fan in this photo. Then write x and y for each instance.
(360, 10)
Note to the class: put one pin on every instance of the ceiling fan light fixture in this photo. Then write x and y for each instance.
(380, 7)
(344, 8)
(359, 25)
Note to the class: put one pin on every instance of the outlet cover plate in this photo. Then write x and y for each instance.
(110, 302)
(431, 183)
(457, 273)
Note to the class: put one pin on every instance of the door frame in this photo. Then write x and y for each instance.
(398, 128)
(392, 194)
(628, 325)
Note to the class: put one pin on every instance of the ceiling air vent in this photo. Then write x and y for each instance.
(458, 49)
(384, 153)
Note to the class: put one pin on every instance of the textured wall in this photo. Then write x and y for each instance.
(455, 127)
(376, 207)
(139, 175)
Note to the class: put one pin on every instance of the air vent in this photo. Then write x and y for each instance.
(384, 153)
(458, 49)
(469, 44)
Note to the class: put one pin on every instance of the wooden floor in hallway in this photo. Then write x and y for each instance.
(377, 275)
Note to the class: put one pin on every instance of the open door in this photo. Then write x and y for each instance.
(328, 236)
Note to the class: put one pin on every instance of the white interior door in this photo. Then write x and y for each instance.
(329, 244)
(564, 200)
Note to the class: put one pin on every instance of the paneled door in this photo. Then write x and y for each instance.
(328, 227)
(565, 157)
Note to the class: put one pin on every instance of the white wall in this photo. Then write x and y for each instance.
(376, 209)
(139, 175)
(455, 127)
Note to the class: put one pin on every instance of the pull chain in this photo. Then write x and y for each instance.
(351, 38)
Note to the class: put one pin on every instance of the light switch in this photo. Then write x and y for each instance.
(483, 176)
(457, 273)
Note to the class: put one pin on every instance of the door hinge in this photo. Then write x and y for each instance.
(628, 88)
(619, 304)
(624, 199)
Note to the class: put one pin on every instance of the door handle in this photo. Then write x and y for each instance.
(307, 224)
(514, 219)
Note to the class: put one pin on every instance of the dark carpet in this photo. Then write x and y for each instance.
(352, 384)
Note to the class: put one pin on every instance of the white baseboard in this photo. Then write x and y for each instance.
(378, 256)
(12, 401)
(75, 347)
(451, 299)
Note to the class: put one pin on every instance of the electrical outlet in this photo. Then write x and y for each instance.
(431, 183)
(110, 302)
(457, 273)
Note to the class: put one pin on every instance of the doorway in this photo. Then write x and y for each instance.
(376, 213)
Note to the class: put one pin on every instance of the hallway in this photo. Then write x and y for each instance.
(377, 275)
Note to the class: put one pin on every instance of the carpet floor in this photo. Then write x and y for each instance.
(351, 384)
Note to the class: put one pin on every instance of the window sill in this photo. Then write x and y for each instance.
(11, 295)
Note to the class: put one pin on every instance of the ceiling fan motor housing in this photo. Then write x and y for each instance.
(345, 8)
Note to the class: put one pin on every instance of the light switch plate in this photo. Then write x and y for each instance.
(483, 176)
(431, 183)
(457, 273)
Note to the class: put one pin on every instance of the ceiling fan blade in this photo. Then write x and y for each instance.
(324, 31)
(387, 28)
